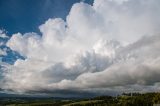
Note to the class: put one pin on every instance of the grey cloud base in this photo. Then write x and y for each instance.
(105, 52)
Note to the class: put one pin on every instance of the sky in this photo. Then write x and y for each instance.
(79, 48)
(26, 16)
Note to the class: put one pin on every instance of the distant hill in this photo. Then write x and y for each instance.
(126, 99)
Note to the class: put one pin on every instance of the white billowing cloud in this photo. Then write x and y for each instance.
(84, 24)
(2, 34)
(130, 20)
(2, 52)
(25, 71)
(119, 1)
(53, 30)
(27, 45)
(139, 66)
(110, 45)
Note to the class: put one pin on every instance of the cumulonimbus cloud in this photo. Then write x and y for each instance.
(101, 47)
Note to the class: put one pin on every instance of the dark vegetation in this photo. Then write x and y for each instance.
(126, 99)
